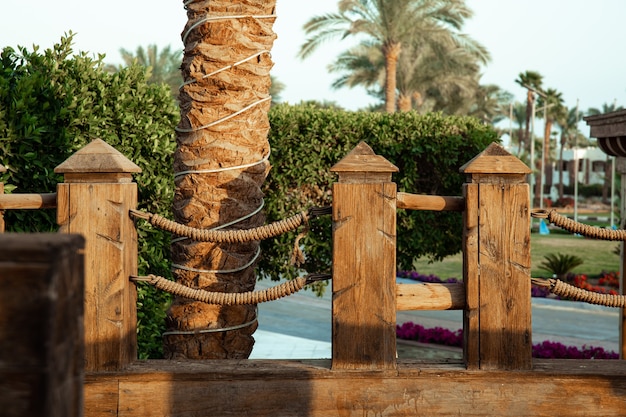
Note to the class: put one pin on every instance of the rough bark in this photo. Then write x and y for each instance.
(226, 66)
(391, 52)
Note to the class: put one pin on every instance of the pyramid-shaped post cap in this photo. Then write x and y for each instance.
(363, 165)
(96, 162)
(497, 161)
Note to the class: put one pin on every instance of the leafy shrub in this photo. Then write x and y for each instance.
(428, 149)
(560, 264)
(53, 103)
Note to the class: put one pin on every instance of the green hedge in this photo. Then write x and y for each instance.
(54, 102)
(428, 149)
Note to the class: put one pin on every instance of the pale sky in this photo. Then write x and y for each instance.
(577, 45)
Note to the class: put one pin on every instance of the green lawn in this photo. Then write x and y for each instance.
(598, 256)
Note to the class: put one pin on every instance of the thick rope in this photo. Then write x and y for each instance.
(565, 290)
(579, 228)
(221, 298)
(232, 236)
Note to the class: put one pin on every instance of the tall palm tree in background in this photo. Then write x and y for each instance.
(606, 108)
(490, 104)
(570, 136)
(429, 77)
(519, 118)
(220, 165)
(164, 64)
(531, 81)
(552, 102)
(390, 24)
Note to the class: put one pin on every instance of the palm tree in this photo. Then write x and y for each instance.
(531, 81)
(425, 73)
(220, 165)
(519, 117)
(606, 108)
(568, 123)
(164, 65)
(276, 88)
(490, 103)
(390, 24)
(552, 102)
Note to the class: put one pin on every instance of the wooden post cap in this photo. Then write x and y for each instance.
(95, 162)
(363, 165)
(495, 160)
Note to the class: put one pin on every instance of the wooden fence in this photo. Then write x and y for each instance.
(497, 376)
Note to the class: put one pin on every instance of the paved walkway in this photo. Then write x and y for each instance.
(299, 326)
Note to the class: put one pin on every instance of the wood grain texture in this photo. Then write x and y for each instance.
(313, 389)
(430, 296)
(504, 280)
(364, 262)
(471, 334)
(99, 211)
(27, 201)
(41, 327)
(409, 201)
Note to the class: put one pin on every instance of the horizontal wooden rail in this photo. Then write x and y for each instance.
(428, 296)
(28, 201)
(430, 202)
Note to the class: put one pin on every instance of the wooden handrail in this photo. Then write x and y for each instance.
(430, 202)
(430, 296)
(28, 201)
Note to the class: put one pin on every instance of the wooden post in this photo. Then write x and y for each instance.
(41, 325)
(496, 260)
(620, 166)
(364, 262)
(95, 201)
(2, 225)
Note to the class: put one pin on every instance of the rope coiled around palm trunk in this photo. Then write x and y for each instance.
(565, 290)
(221, 298)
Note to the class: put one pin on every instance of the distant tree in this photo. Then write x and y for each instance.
(531, 81)
(519, 117)
(391, 25)
(276, 88)
(163, 65)
(570, 135)
(428, 78)
(606, 108)
(552, 101)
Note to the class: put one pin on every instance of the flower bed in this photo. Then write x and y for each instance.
(546, 349)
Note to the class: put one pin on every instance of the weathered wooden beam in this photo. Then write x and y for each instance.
(430, 202)
(95, 201)
(41, 328)
(364, 262)
(497, 316)
(429, 296)
(28, 201)
(311, 388)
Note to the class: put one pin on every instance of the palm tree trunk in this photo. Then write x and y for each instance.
(545, 155)
(220, 165)
(404, 103)
(530, 98)
(391, 52)
(563, 141)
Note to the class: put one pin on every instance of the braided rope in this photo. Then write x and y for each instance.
(579, 228)
(221, 298)
(231, 236)
(563, 289)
